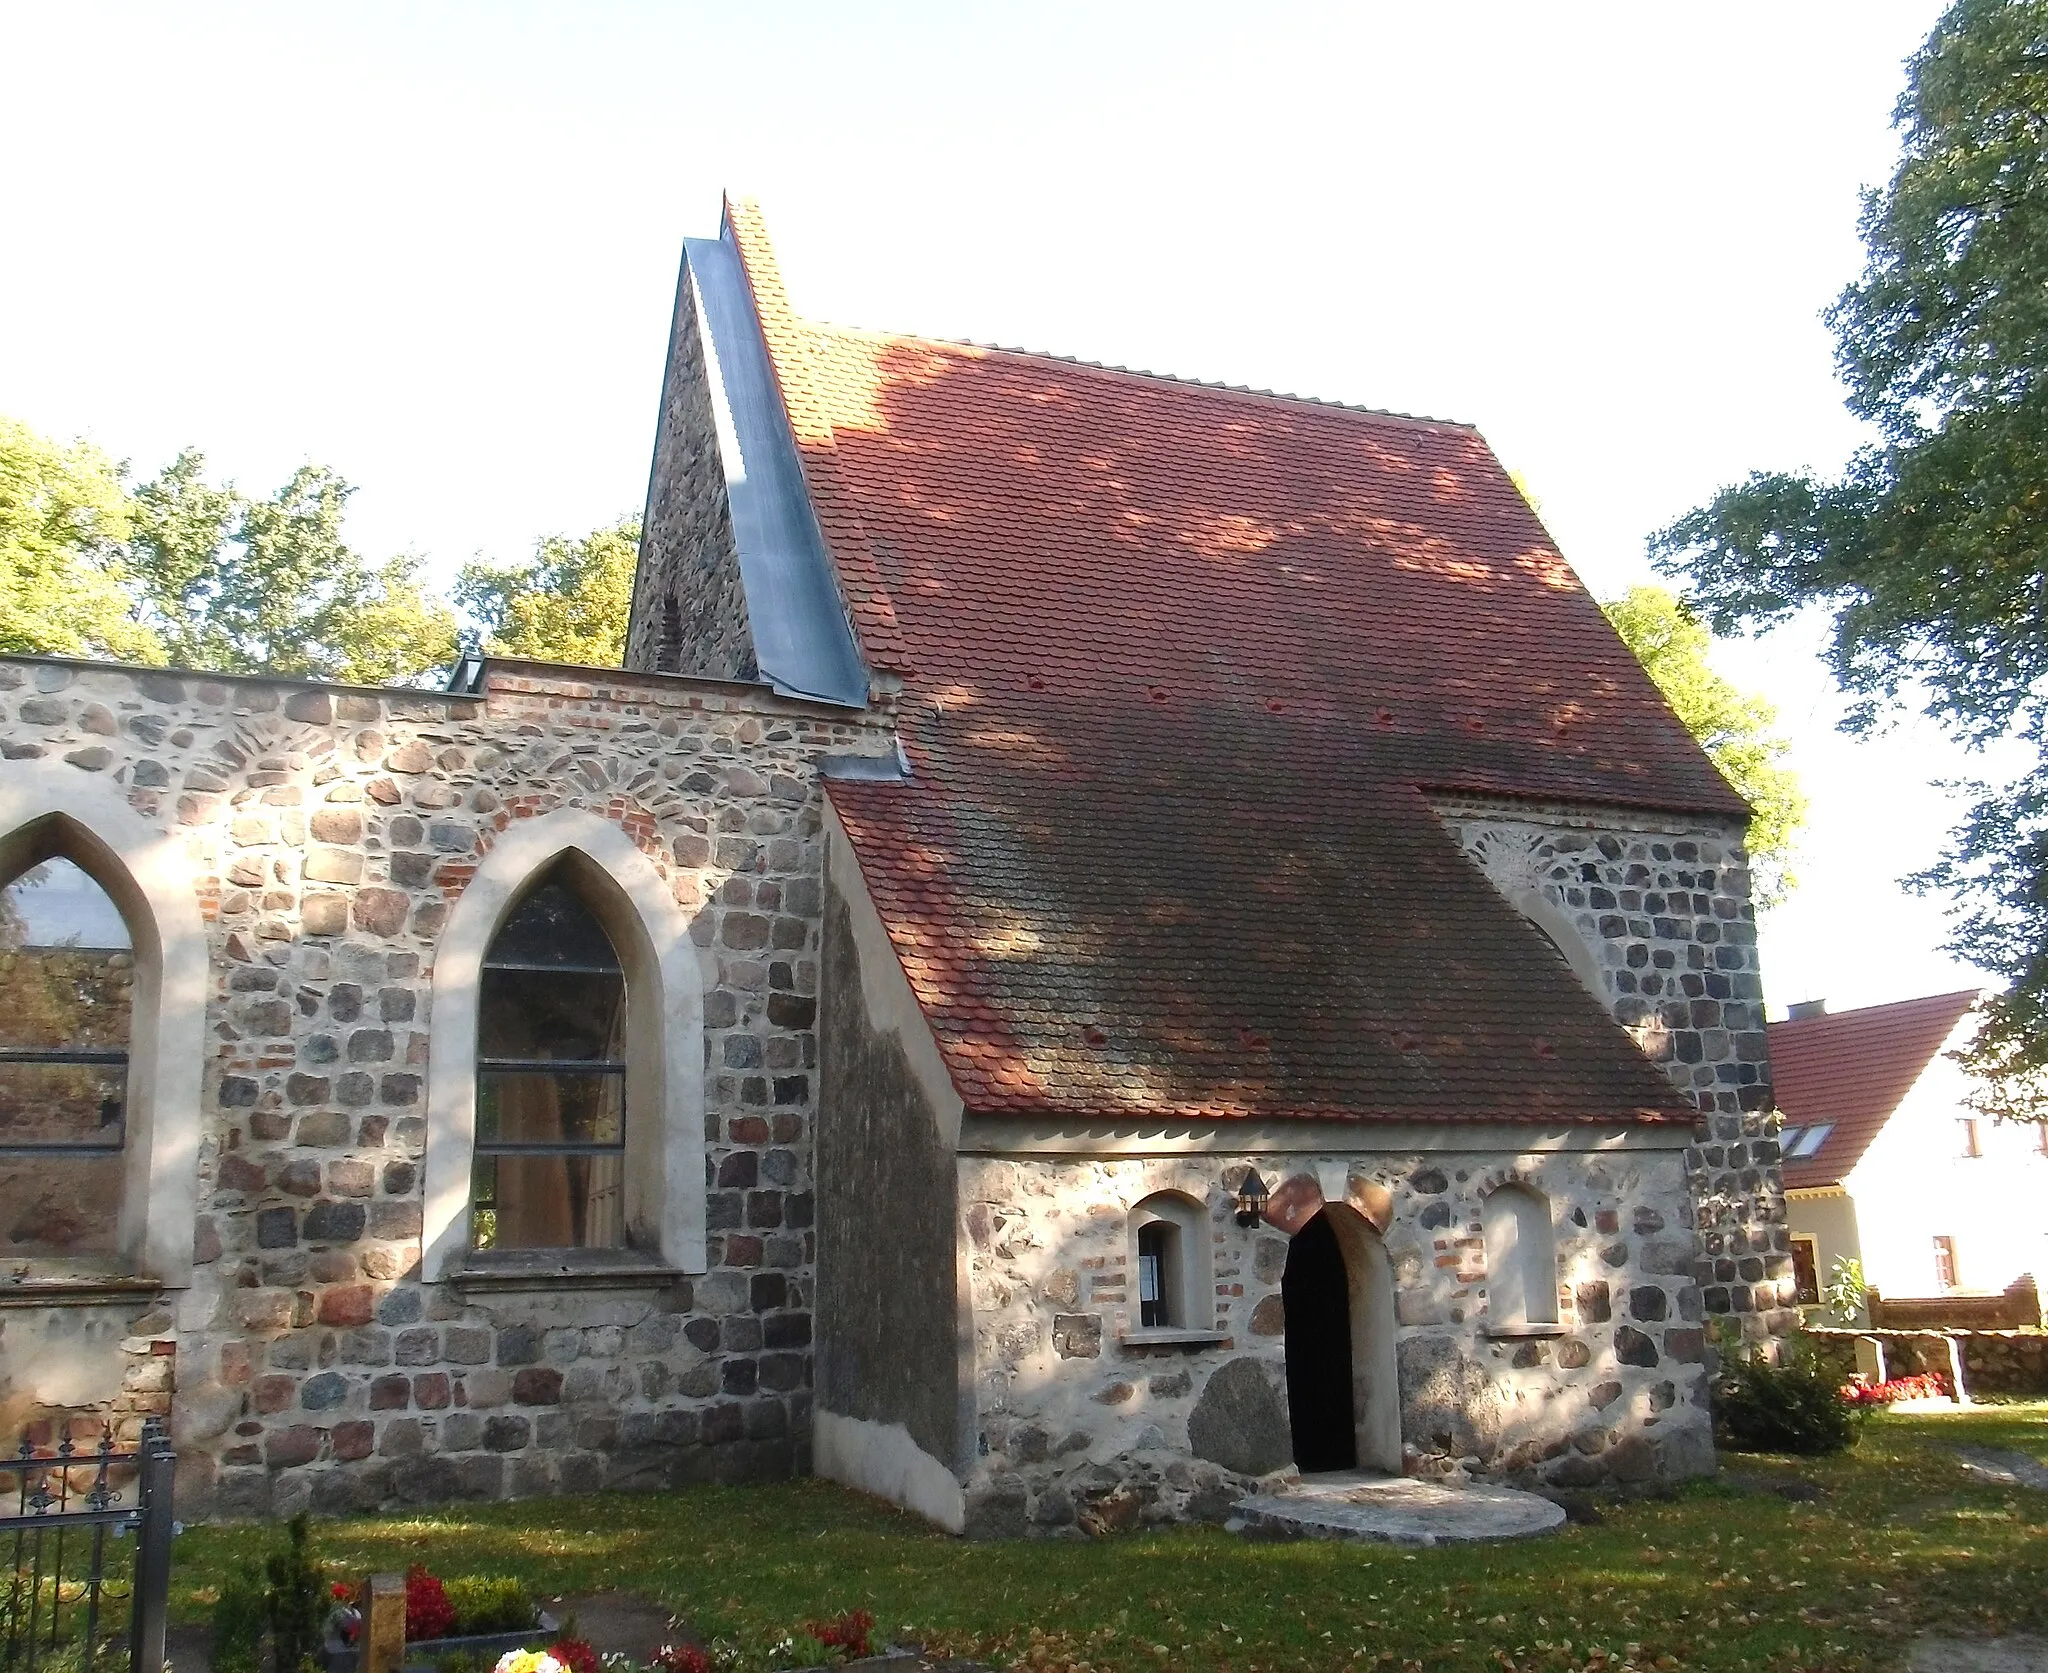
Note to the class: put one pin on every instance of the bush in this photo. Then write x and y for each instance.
(489, 1603)
(297, 1600)
(1795, 1406)
(239, 1617)
(428, 1613)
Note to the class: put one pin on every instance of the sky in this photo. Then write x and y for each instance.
(434, 245)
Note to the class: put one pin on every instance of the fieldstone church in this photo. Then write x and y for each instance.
(1114, 937)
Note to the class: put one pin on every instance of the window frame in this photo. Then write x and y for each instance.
(48, 810)
(1811, 1244)
(664, 1210)
(1945, 1258)
(555, 1068)
(1187, 1287)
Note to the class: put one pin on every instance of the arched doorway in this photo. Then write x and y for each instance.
(1317, 1299)
(1343, 1397)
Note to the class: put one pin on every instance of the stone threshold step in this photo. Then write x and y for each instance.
(1394, 1510)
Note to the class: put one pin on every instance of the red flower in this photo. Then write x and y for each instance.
(681, 1658)
(574, 1654)
(428, 1613)
(848, 1632)
(339, 1592)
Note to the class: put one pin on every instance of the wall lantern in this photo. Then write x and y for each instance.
(1251, 1199)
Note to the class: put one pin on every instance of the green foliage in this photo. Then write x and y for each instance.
(182, 570)
(490, 1603)
(271, 586)
(460, 1661)
(295, 1598)
(64, 516)
(1846, 1294)
(1734, 727)
(239, 1616)
(1795, 1405)
(1724, 1576)
(1931, 549)
(567, 603)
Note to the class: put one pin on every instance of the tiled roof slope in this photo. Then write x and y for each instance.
(1851, 1069)
(1176, 662)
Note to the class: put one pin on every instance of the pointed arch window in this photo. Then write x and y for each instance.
(551, 1080)
(67, 988)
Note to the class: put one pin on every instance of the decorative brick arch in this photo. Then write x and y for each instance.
(628, 892)
(50, 809)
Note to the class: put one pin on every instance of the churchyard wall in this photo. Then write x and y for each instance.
(328, 836)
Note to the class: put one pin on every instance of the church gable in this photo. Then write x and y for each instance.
(1182, 670)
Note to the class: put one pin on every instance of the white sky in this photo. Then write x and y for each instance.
(435, 245)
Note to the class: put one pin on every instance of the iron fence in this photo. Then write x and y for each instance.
(69, 1515)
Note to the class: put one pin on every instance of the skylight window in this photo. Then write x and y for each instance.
(1788, 1140)
(1811, 1140)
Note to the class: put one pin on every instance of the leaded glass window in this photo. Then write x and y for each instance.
(551, 1081)
(67, 986)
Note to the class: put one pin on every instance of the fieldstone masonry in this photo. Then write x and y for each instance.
(1662, 914)
(1085, 1420)
(328, 833)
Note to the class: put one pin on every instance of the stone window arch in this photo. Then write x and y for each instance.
(1521, 1258)
(1170, 1263)
(140, 1140)
(653, 1199)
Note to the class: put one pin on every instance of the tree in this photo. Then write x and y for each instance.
(1734, 727)
(567, 603)
(270, 586)
(1931, 547)
(63, 518)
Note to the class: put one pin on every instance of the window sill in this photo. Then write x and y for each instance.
(1518, 1332)
(1173, 1338)
(554, 1269)
(78, 1291)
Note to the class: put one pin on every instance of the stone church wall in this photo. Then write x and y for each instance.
(328, 833)
(889, 1306)
(689, 613)
(1654, 915)
(1085, 1423)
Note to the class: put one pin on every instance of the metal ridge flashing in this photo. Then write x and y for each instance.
(803, 642)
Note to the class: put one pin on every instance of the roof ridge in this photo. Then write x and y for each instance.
(1971, 994)
(1111, 369)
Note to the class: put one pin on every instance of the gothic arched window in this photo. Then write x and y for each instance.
(551, 1081)
(67, 986)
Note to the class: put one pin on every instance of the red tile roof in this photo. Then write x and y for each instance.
(1179, 663)
(1851, 1069)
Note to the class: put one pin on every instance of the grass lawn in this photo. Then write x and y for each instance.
(1718, 1576)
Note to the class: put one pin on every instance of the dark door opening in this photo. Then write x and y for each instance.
(1317, 1303)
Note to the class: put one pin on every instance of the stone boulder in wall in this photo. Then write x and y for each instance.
(1444, 1392)
(1240, 1421)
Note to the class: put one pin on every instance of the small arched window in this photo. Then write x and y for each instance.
(1169, 1255)
(1521, 1259)
(67, 988)
(551, 1081)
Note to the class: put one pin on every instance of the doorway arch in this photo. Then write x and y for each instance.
(1343, 1397)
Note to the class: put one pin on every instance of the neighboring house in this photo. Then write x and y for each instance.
(1886, 1164)
(1114, 936)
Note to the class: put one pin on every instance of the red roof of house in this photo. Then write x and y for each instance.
(1180, 664)
(1849, 1070)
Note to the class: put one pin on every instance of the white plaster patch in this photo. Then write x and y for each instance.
(882, 1459)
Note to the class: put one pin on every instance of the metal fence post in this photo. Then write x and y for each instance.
(152, 1552)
